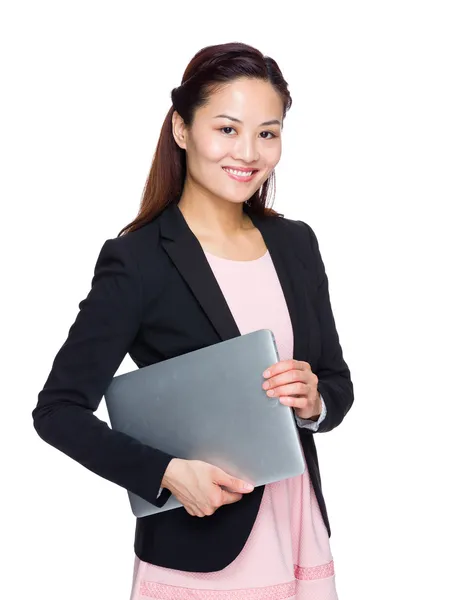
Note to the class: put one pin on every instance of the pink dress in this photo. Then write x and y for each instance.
(287, 555)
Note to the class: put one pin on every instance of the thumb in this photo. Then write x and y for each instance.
(232, 483)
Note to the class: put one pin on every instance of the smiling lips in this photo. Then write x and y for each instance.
(240, 174)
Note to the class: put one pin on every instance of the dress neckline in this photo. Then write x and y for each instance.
(237, 261)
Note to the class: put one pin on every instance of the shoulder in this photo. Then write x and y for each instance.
(302, 241)
(128, 258)
(300, 232)
(135, 245)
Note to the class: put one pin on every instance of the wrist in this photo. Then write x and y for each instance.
(169, 473)
(318, 407)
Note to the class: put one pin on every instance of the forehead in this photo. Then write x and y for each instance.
(250, 100)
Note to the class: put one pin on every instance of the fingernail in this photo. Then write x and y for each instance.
(248, 486)
(266, 373)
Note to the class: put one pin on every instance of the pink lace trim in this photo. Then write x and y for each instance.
(152, 589)
(166, 592)
(319, 572)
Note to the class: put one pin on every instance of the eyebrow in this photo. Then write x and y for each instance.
(272, 122)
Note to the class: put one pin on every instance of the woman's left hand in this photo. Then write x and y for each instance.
(293, 382)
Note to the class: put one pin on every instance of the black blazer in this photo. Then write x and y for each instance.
(154, 295)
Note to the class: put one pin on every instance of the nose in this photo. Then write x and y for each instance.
(246, 149)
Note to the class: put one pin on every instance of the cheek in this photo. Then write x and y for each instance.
(272, 155)
(276, 154)
(212, 148)
(216, 150)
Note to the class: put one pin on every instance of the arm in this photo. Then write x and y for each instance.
(334, 377)
(105, 327)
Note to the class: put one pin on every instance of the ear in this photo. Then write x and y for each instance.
(179, 130)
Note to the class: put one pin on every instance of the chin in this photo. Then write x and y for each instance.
(236, 200)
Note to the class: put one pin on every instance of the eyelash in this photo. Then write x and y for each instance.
(271, 132)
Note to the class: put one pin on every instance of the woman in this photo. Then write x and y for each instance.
(205, 260)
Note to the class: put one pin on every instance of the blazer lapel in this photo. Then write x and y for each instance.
(187, 254)
(287, 269)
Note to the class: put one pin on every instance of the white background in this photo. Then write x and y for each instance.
(377, 158)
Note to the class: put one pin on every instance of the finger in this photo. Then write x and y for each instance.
(233, 483)
(286, 365)
(292, 376)
(280, 367)
(294, 402)
(292, 389)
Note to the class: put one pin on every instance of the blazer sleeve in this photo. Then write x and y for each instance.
(334, 377)
(107, 323)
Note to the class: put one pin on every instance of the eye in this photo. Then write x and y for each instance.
(265, 138)
(227, 127)
(271, 133)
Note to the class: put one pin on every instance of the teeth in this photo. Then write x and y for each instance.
(239, 173)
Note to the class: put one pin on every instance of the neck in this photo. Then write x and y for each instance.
(215, 216)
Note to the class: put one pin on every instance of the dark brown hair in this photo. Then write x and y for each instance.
(211, 68)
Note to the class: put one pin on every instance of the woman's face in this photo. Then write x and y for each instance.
(248, 136)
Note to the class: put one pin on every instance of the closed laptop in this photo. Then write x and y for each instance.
(209, 405)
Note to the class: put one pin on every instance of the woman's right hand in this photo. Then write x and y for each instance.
(197, 485)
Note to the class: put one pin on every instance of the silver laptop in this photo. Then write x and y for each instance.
(209, 405)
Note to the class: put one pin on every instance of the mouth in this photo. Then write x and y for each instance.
(243, 175)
